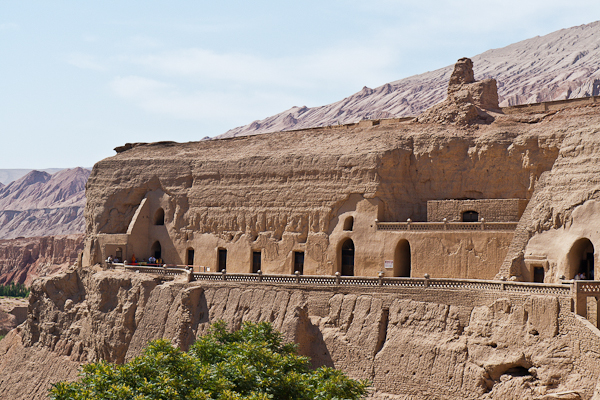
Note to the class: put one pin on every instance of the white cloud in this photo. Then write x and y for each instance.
(167, 99)
(200, 84)
(351, 65)
(85, 61)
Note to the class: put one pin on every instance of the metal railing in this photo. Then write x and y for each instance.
(446, 226)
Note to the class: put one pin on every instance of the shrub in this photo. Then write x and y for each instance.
(252, 363)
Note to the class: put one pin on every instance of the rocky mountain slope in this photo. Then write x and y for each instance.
(9, 175)
(40, 204)
(561, 65)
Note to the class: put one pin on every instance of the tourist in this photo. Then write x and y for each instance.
(109, 260)
(133, 260)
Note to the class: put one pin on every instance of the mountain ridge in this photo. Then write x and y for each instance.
(41, 204)
(561, 65)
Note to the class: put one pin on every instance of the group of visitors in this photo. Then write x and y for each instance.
(581, 276)
(151, 260)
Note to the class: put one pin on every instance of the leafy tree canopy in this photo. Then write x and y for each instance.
(252, 363)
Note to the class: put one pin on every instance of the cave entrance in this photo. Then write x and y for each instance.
(222, 260)
(256, 261)
(402, 259)
(159, 217)
(470, 216)
(299, 262)
(581, 260)
(156, 250)
(190, 256)
(347, 258)
(119, 254)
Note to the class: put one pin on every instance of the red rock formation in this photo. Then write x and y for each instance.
(24, 259)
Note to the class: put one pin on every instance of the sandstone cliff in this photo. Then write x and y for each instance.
(560, 65)
(40, 204)
(22, 260)
(273, 190)
(445, 344)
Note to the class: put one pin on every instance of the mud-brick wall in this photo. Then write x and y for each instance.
(492, 210)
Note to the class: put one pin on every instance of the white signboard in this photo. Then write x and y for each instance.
(388, 264)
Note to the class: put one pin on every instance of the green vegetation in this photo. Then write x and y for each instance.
(251, 363)
(14, 290)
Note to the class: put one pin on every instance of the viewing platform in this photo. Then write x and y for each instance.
(446, 226)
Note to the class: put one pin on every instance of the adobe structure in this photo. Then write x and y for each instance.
(466, 190)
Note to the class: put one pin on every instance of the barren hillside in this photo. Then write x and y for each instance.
(40, 204)
(561, 65)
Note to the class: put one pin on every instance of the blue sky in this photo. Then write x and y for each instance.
(80, 78)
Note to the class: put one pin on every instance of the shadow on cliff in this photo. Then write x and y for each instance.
(311, 343)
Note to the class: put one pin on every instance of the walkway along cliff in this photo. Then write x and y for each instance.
(415, 243)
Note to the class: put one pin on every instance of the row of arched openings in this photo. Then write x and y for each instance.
(402, 258)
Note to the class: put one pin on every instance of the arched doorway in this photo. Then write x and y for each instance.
(581, 259)
(402, 259)
(347, 258)
(155, 250)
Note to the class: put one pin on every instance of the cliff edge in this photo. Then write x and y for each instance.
(444, 345)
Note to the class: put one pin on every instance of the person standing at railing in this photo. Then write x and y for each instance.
(133, 260)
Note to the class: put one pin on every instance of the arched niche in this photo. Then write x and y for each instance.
(347, 257)
(156, 250)
(470, 216)
(349, 223)
(581, 259)
(402, 259)
(159, 217)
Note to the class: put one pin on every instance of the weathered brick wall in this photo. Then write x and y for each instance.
(493, 210)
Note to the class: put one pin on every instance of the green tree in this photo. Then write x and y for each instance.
(14, 290)
(252, 363)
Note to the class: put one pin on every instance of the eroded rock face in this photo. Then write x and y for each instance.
(521, 347)
(22, 260)
(467, 100)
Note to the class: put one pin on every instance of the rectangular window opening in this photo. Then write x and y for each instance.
(299, 262)
(538, 274)
(222, 260)
(256, 261)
